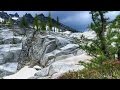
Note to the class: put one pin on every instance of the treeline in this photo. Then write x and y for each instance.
(37, 23)
(40, 25)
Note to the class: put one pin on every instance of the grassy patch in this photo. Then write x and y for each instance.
(109, 69)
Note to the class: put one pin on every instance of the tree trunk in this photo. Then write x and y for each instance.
(102, 35)
(119, 54)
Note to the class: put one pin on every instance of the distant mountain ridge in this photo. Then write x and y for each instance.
(30, 20)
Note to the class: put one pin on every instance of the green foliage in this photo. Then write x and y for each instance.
(10, 23)
(36, 23)
(104, 48)
(116, 35)
(109, 69)
(24, 23)
(102, 44)
(4, 22)
(58, 24)
(49, 21)
(43, 26)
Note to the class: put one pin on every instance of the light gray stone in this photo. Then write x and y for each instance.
(43, 72)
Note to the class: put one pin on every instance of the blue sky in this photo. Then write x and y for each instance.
(76, 19)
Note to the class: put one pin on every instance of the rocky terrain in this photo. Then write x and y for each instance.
(30, 54)
(42, 56)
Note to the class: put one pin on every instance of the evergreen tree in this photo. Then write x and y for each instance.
(10, 23)
(58, 24)
(115, 30)
(98, 46)
(49, 21)
(24, 24)
(36, 23)
(43, 26)
(4, 22)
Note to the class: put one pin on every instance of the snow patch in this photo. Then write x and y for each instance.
(1, 20)
(15, 18)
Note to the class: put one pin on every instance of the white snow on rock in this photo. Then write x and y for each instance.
(86, 34)
(69, 46)
(10, 67)
(15, 18)
(1, 20)
(67, 32)
(37, 67)
(24, 73)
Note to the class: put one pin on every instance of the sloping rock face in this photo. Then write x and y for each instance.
(53, 71)
(10, 49)
(44, 48)
(42, 55)
(24, 73)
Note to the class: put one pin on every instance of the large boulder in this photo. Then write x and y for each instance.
(61, 42)
(16, 54)
(47, 59)
(2, 61)
(12, 41)
(63, 57)
(10, 53)
(67, 51)
(24, 73)
(11, 56)
(43, 72)
(70, 64)
(45, 49)
(70, 49)
(60, 67)
(1, 40)
(10, 67)
(41, 46)
(8, 56)
(19, 31)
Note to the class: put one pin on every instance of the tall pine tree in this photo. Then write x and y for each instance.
(24, 24)
(43, 26)
(10, 22)
(115, 30)
(50, 22)
(98, 46)
(58, 24)
(36, 23)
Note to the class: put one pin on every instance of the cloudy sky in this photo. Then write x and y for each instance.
(76, 19)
